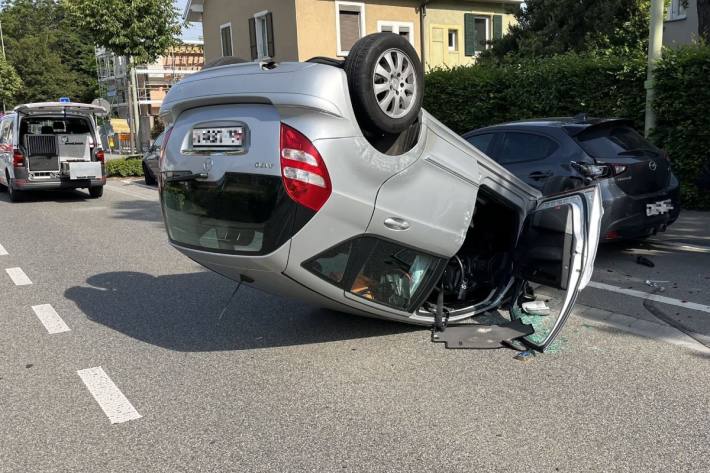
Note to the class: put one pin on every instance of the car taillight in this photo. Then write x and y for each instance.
(18, 158)
(100, 155)
(303, 171)
(163, 147)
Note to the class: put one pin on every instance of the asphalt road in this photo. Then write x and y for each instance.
(276, 385)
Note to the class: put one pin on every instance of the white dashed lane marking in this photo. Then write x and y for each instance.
(651, 297)
(18, 276)
(3, 252)
(111, 400)
(50, 319)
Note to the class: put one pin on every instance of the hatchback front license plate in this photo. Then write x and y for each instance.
(659, 208)
(218, 137)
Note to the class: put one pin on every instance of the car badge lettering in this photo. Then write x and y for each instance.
(263, 165)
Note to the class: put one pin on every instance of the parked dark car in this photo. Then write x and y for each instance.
(640, 193)
(150, 161)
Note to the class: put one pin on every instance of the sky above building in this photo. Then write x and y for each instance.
(194, 31)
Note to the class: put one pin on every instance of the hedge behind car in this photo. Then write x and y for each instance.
(124, 167)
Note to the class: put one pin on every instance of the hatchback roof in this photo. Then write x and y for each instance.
(572, 125)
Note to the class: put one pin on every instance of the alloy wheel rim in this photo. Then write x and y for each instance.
(394, 83)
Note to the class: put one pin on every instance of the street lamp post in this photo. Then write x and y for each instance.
(655, 42)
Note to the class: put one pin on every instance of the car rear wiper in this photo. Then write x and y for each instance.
(186, 177)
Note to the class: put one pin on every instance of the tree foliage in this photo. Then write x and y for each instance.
(52, 56)
(10, 82)
(550, 27)
(141, 29)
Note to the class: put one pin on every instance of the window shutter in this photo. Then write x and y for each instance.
(469, 34)
(497, 26)
(252, 39)
(270, 34)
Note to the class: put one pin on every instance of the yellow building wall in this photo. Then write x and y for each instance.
(441, 17)
(317, 23)
(219, 12)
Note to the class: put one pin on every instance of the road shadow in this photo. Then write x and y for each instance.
(140, 210)
(28, 197)
(181, 312)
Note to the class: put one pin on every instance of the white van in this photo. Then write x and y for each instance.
(51, 145)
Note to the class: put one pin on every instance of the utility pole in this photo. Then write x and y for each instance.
(135, 109)
(655, 42)
(4, 58)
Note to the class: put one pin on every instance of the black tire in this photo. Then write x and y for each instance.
(14, 194)
(96, 192)
(401, 94)
(557, 184)
(149, 178)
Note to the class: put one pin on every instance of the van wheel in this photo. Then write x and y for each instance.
(14, 194)
(386, 81)
(96, 192)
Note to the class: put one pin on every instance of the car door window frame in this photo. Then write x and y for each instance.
(588, 201)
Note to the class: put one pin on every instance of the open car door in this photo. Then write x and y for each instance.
(555, 257)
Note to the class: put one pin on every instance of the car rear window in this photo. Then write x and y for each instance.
(605, 142)
(54, 126)
(519, 147)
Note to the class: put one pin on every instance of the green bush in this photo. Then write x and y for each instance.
(469, 97)
(682, 116)
(124, 167)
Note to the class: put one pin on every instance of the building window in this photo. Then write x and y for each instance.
(349, 25)
(453, 40)
(677, 9)
(482, 33)
(261, 35)
(402, 28)
(225, 32)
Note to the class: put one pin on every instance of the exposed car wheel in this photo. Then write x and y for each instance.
(386, 81)
(96, 192)
(557, 184)
(149, 179)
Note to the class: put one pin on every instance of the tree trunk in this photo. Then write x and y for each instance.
(704, 19)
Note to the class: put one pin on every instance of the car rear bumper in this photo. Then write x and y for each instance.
(625, 216)
(56, 184)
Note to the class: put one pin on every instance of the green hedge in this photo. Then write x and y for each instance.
(470, 97)
(124, 167)
(683, 116)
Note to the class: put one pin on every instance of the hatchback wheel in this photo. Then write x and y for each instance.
(386, 81)
(149, 178)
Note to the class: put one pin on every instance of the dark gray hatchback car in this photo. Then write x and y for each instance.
(640, 193)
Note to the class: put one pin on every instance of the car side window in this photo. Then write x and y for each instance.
(482, 142)
(159, 140)
(6, 132)
(517, 147)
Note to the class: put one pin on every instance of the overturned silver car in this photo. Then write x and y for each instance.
(326, 181)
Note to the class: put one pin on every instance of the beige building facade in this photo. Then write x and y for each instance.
(681, 24)
(444, 33)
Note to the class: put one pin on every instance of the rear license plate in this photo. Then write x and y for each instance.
(218, 137)
(659, 208)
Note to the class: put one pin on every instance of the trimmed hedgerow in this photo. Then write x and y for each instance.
(124, 167)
